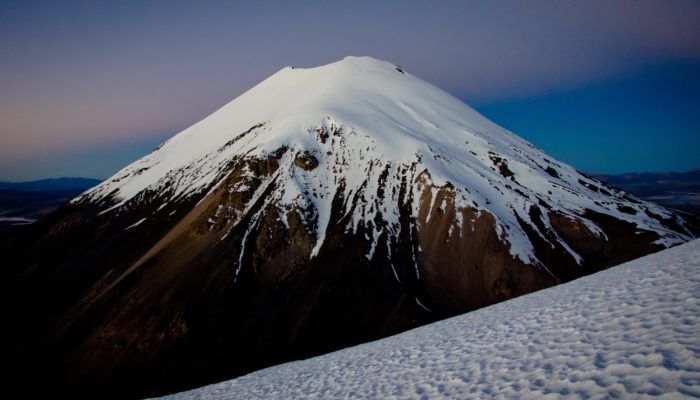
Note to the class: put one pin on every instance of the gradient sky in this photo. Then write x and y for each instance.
(607, 86)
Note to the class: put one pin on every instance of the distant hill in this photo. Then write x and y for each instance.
(679, 190)
(24, 202)
(51, 184)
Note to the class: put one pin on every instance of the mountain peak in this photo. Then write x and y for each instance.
(400, 112)
(359, 120)
(351, 64)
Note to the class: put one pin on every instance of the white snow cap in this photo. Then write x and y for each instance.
(402, 114)
(390, 119)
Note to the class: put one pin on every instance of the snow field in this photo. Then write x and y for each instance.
(632, 331)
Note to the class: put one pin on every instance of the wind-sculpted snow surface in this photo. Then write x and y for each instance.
(631, 331)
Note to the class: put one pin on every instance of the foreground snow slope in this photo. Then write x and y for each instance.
(630, 331)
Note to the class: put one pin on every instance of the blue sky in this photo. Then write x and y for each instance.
(648, 120)
(89, 86)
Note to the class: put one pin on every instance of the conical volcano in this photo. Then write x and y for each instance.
(324, 207)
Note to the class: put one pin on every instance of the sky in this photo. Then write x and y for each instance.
(606, 86)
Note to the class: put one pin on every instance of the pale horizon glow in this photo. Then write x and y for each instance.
(80, 78)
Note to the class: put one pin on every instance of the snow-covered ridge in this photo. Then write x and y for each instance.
(627, 332)
(370, 125)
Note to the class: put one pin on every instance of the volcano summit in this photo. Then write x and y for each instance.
(322, 208)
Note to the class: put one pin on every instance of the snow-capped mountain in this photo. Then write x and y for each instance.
(323, 207)
(357, 130)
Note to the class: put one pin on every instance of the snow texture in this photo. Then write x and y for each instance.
(372, 125)
(628, 332)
